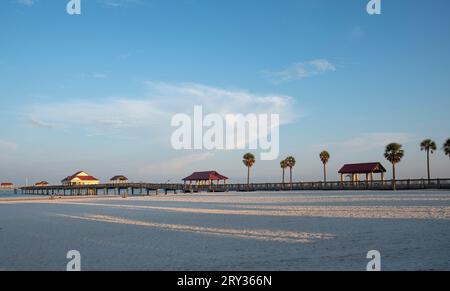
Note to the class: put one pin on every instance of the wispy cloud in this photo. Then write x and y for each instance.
(99, 75)
(370, 141)
(180, 98)
(39, 124)
(8, 145)
(110, 3)
(356, 33)
(94, 75)
(176, 165)
(124, 56)
(115, 113)
(119, 3)
(302, 70)
(28, 3)
(157, 107)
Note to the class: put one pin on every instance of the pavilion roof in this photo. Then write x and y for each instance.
(42, 183)
(77, 175)
(205, 176)
(119, 178)
(363, 168)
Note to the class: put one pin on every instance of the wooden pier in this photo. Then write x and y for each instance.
(14, 189)
(152, 188)
(103, 189)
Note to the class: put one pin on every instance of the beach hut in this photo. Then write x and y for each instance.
(206, 178)
(368, 169)
(7, 186)
(119, 179)
(80, 178)
(41, 184)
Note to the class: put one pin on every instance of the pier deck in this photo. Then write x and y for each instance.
(154, 188)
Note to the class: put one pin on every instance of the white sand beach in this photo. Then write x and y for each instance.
(229, 231)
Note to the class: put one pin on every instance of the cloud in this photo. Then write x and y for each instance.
(39, 124)
(7, 145)
(176, 165)
(370, 141)
(28, 3)
(110, 3)
(119, 3)
(149, 118)
(302, 70)
(181, 98)
(94, 75)
(98, 76)
(357, 33)
(124, 56)
(118, 113)
(157, 107)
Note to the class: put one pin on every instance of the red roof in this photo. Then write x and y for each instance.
(205, 176)
(83, 178)
(86, 178)
(7, 184)
(362, 168)
(41, 183)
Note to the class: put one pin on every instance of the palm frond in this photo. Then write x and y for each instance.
(324, 157)
(394, 153)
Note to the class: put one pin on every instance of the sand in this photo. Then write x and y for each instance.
(229, 231)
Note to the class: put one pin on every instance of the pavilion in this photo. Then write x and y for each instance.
(80, 178)
(7, 186)
(368, 169)
(205, 178)
(119, 179)
(41, 184)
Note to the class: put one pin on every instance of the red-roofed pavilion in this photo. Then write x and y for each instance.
(206, 178)
(365, 168)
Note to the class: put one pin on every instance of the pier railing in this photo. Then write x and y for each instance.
(154, 188)
(411, 184)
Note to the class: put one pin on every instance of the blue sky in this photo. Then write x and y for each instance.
(87, 92)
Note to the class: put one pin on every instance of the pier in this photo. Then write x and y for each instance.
(154, 188)
(16, 190)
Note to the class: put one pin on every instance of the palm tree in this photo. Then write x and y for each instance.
(249, 161)
(429, 146)
(283, 165)
(324, 157)
(290, 161)
(394, 154)
(447, 147)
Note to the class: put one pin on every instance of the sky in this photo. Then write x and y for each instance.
(97, 91)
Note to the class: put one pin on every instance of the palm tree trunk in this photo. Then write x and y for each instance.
(428, 166)
(394, 184)
(283, 175)
(290, 179)
(325, 173)
(248, 178)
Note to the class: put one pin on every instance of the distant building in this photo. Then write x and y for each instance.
(205, 178)
(7, 186)
(41, 184)
(368, 169)
(80, 178)
(120, 179)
